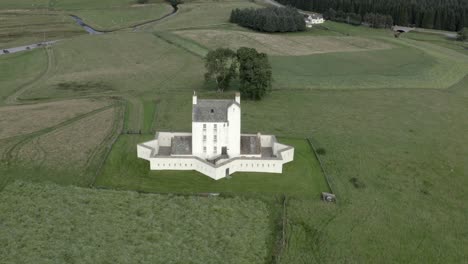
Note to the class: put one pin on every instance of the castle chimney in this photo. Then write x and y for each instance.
(194, 100)
(238, 98)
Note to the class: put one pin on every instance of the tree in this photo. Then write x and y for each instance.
(221, 65)
(462, 34)
(254, 73)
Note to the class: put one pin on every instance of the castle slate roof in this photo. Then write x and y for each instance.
(208, 110)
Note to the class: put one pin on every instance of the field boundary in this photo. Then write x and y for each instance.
(282, 240)
(327, 177)
(121, 108)
(177, 41)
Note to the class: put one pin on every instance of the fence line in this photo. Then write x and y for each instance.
(282, 241)
(322, 168)
(121, 108)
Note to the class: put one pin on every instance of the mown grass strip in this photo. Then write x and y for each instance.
(182, 43)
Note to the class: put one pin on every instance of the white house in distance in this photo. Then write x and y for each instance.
(313, 19)
(216, 146)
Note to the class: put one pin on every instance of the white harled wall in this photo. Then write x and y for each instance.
(197, 138)
(284, 153)
(234, 130)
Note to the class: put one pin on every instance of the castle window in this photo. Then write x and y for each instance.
(204, 137)
(215, 150)
(204, 149)
(212, 111)
(215, 138)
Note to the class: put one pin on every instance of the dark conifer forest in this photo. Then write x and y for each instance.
(270, 19)
(437, 14)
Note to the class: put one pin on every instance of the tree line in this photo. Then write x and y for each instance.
(375, 20)
(251, 67)
(269, 19)
(437, 14)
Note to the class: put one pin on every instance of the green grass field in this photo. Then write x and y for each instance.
(441, 40)
(118, 18)
(392, 122)
(20, 70)
(115, 227)
(123, 170)
(31, 26)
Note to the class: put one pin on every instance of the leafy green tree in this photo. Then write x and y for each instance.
(254, 73)
(221, 65)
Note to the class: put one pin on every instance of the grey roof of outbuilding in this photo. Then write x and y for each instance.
(208, 110)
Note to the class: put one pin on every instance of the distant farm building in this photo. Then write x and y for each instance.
(216, 146)
(313, 19)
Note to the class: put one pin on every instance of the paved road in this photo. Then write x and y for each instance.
(448, 34)
(27, 47)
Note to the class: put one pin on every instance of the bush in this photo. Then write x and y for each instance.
(357, 183)
(270, 19)
(321, 151)
(462, 34)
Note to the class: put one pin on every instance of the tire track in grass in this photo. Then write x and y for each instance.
(135, 114)
(11, 154)
(14, 98)
(106, 145)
